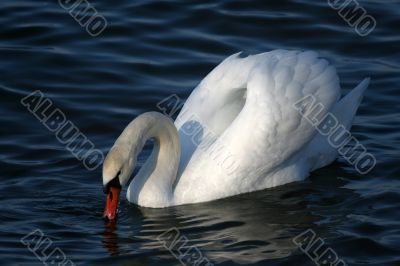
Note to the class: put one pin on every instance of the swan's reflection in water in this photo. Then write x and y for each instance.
(240, 229)
(110, 238)
(244, 229)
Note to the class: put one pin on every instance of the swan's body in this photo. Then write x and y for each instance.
(237, 132)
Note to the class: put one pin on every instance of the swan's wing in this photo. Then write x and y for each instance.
(268, 131)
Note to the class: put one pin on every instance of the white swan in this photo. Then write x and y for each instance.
(237, 132)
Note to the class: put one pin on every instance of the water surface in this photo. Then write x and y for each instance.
(152, 49)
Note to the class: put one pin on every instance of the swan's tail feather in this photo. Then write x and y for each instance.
(346, 108)
(320, 152)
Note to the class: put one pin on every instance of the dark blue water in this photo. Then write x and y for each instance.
(149, 50)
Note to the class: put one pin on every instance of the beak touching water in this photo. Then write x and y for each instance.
(110, 211)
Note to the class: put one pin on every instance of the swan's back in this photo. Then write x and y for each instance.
(249, 135)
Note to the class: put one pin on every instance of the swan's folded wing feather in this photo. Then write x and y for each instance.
(270, 130)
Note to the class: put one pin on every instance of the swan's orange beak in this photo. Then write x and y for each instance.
(110, 212)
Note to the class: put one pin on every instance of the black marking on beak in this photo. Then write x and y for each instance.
(113, 183)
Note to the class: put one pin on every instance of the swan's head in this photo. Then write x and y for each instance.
(117, 169)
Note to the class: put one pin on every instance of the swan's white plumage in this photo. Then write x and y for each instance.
(266, 133)
(249, 135)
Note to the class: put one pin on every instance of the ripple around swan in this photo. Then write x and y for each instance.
(150, 50)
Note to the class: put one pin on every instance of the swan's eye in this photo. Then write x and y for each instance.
(113, 183)
(117, 176)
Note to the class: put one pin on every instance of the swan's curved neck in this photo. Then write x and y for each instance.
(153, 185)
